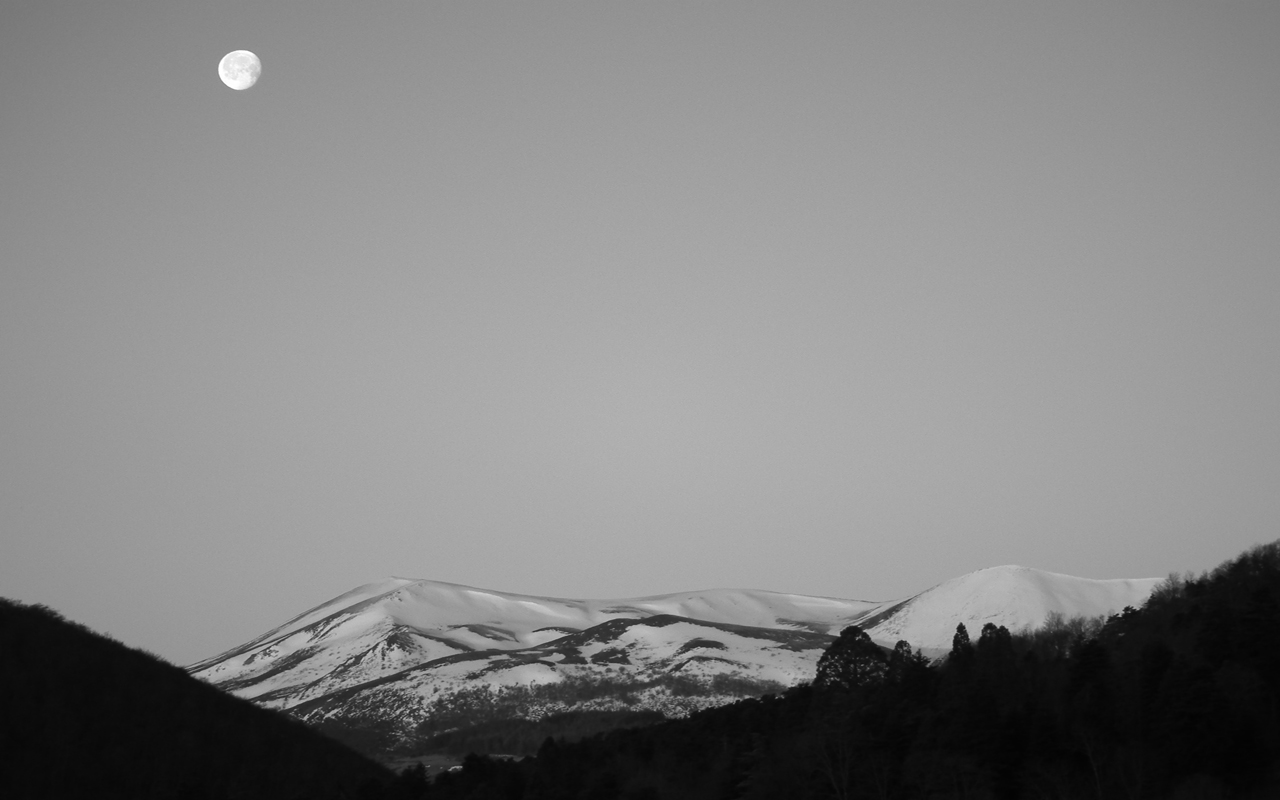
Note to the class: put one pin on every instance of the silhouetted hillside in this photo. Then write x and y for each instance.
(82, 715)
(1180, 699)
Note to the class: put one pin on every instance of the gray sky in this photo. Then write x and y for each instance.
(600, 299)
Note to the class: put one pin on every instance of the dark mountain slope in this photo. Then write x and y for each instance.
(81, 715)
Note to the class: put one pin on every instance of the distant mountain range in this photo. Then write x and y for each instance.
(401, 655)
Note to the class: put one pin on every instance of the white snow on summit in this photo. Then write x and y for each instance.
(1012, 596)
(390, 650)
(387, 626)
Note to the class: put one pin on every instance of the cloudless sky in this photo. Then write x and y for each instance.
(601, 299)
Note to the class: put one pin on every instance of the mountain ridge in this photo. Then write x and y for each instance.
(391, 652)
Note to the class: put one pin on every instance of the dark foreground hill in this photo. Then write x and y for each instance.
(1179, 699)
(81, 715)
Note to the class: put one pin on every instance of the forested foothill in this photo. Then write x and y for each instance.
(83, 716)
(1175, 700)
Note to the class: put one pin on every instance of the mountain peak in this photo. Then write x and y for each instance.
(1010, 595)
(402, 645)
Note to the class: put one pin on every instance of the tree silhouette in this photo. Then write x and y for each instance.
(852, 661)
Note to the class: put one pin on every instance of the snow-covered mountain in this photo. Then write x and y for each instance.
(395, 652)
(1012, 596)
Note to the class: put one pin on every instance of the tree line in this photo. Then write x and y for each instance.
(1178, 699)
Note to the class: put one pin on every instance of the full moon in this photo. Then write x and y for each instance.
(239, 69)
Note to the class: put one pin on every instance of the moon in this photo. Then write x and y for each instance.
(239, 69)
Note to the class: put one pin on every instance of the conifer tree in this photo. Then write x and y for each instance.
(852, 661)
